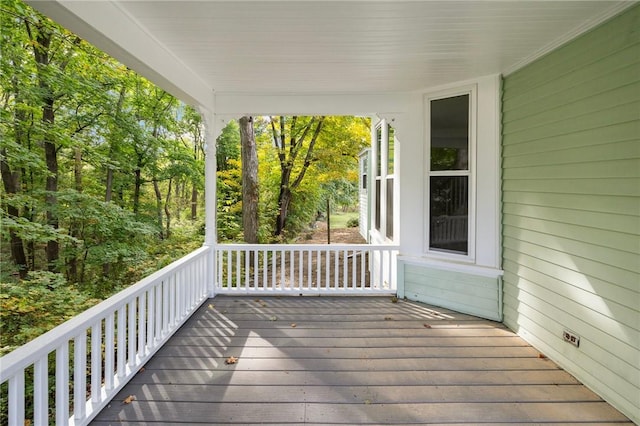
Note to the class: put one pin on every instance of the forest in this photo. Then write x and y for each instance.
(103, 175)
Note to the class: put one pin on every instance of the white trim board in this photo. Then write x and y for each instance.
(452, 266)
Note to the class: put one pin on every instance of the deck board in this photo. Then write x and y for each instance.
(351, 360)
(371, 353)
(381, 394)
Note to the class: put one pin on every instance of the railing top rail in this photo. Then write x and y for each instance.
(306, 247)
(27, 354)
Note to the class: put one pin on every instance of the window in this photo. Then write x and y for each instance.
(378, 194)
(363, 171)
(385, 158)
(449, 174)
(389, 185)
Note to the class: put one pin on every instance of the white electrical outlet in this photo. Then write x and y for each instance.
(571, 337)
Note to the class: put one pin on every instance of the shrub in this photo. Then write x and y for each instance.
(32, 307)
(353, 222)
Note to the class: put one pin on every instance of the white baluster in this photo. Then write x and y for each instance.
(16, 399)
(122, 339)
(109, 352)
(96, 361)
(62, 384)
(142, 324)
(131, 335)
(80, 376)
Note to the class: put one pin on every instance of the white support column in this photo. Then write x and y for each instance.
(210, 169)
(213, 128)
(210, 196)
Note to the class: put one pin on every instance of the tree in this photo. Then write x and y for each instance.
(77, 125)
(229, 184)
(300, 159)
(290, 150)
(81, 138)
(197, 178)
(47, 103)
(228, 145)
(250, 191)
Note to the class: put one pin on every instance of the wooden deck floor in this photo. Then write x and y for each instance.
(349, 360)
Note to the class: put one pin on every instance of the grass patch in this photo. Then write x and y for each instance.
(339, 220)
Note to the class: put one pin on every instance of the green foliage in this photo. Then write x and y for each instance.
(129, 174)
(129, 166)
(306, 203)
(354, 222)
(341, 192)
(229, 220)
(228, 146)
(187, 237)
(107, 234)
(109, 168)
(33, 306)
(332, 172)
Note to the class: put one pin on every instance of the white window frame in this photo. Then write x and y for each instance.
(364, 171)
(470, 256)
(389, 176)
(378, 173)
(381, 177)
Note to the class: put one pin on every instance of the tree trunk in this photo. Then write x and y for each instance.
(167, 211)
(51, 199)
(77, 169)
(287, 158)
(41, 55)
(109, 186)
(284, 200)
(249, 180)
(194, 203)
(156, 189)
(136, 191)
(72, 262)
(109, 183)
(10, 181)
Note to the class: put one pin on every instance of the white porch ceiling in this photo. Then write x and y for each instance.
(315, 47)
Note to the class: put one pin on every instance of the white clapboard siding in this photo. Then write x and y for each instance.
(571, 207)
(363, 222)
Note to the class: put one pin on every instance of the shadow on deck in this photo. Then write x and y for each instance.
(349, 360)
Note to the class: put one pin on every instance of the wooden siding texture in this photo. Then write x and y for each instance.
(571, 207)
(349, 360)
(463, 292)
(363, 219)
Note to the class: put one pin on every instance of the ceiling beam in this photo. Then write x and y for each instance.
(111, 29)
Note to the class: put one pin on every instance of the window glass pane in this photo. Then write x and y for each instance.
(390, 150)
(389, 219)
(449, 208)
(379, 151)
(450, 133)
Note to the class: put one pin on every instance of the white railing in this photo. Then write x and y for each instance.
(97, 352)
(305, 268)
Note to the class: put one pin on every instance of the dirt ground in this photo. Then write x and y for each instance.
(338, 236)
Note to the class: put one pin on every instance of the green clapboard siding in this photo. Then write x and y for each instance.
(462, 292)
(571, 207)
